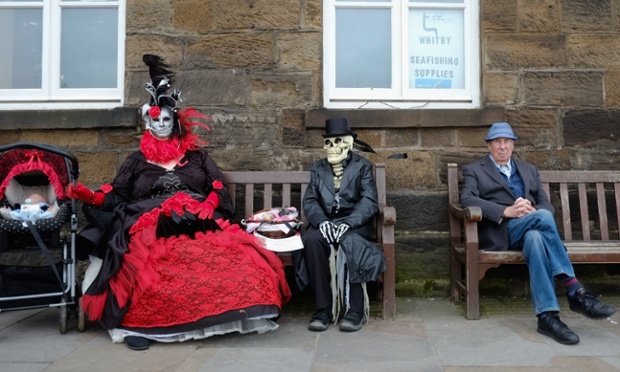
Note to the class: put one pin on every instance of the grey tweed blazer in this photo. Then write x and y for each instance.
(484, 187)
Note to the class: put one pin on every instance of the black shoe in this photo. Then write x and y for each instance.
(137, 343)
(552, 326)
(583, 302)
(352, 322)
(320, 320)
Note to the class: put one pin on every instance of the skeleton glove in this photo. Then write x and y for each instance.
(341, 230)
(328, 230)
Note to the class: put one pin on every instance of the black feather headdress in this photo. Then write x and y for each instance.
(161, 81)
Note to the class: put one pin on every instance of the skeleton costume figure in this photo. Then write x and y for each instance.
(338, 259)
(169, 263)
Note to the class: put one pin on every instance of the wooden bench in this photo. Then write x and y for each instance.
(255, 190)
(587, 207)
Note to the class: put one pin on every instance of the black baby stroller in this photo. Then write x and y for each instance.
(38, 228)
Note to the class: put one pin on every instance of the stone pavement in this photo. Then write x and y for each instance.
(429, 334)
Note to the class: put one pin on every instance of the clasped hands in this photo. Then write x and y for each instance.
(332, 232)
(203, 210)
(519, 208)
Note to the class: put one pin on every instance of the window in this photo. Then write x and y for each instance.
(401, 54)
(61, 53)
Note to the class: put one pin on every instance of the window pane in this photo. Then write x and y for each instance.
(21, 43)
(436, 51)
(89, 45)
(363, 48)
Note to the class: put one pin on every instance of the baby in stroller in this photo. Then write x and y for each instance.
(34, 207)
(33, 178)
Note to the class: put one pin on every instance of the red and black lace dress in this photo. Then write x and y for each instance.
(169, 276)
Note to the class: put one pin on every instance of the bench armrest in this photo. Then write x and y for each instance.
(387, 216)
(472, 214)
(464, 228)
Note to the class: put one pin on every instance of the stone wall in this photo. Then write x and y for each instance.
(551, 68)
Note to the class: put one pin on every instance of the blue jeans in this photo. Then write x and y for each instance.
(546, 257)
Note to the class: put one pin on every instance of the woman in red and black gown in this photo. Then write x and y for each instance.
(170, 264)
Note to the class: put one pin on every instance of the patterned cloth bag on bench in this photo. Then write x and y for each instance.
(278, 228)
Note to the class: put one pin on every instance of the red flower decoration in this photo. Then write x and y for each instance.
(154, 112)
(217, 185)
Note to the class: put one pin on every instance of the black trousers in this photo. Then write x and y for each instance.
(316, 254)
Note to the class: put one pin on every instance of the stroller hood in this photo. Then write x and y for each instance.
(23, 164)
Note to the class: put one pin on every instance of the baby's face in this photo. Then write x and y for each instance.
(36, 199)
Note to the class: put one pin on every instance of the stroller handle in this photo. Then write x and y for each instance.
(75, 169)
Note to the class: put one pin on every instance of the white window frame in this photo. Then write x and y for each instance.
(400, 96)
(50, 95)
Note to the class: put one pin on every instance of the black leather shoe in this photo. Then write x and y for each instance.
(552, 326)
(583, 302)
(320, 320)
(137, 343)
(352, 322)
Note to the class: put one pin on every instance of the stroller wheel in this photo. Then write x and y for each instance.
(63, 319)
(81, 316)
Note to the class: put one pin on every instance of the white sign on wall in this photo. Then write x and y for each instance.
(436, 51)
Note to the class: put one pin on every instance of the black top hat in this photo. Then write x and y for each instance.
(337, 127)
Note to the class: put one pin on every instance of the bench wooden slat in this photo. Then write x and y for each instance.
(231, 190)
(568, 231)
(268, 190)
(271, 182)
(249, 200)
(546, 188)
(286, 194)
(602, 210)
(304, 186)
(580, 252)
(587, 236)
(276, 177)
(583, 206)
(579, 176)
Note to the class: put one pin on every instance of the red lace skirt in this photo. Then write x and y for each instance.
(212, 274)
(166, 282)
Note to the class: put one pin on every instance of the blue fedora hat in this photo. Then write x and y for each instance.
(500, 130)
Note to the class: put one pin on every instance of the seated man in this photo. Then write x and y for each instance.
(517, 214)
(340, 203)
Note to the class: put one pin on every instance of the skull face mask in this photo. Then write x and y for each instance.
(338, 148)
(159, 122)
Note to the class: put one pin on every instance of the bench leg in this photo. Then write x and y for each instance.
(472, 292)
(388, 310)
(456, 273)
(472, 302)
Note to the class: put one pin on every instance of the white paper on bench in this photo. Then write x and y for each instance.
(292, 243)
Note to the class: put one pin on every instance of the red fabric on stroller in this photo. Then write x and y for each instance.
(18, 162)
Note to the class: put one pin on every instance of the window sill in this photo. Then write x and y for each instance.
(69, 119)
(438, 118)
